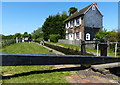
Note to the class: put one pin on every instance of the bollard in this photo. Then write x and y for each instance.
(103, 47)
(83, 50)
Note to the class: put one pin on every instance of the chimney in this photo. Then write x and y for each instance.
(95, 4)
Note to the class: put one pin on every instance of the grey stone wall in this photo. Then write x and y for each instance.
(78, 43)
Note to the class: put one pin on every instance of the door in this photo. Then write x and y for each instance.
(71, 36)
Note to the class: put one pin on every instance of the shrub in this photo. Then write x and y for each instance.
(39, 39)
(54, 37)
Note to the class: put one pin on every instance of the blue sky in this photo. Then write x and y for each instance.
(20, 17)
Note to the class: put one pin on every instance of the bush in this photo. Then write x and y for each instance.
(54, 37)
(39, 39)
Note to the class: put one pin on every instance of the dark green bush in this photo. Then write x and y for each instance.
(54, 37)
(39, 39)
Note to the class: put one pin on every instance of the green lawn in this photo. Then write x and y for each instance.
(31, 74)
(26, 48)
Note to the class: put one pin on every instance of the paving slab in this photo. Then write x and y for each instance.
(84, 76)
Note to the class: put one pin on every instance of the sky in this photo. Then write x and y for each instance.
(20, 17)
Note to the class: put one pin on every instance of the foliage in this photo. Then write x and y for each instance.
(102, 34)
(7, 37)
(111, 36)
(37, 34)
(72, 10)
(54, 25)
(39, 39)
(19, 35)
(25, 35)
(54, 37)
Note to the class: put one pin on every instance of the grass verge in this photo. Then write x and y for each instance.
(30, 74)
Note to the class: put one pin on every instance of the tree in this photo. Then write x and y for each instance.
(54, 25)
(72, 10)
(7, 37)
(25, 35)
(37, 33)
(102, 34)
(17, 35)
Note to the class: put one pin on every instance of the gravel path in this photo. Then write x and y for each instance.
(52, 50)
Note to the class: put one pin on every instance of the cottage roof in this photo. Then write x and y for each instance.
(80, 12)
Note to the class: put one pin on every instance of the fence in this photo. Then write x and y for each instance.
(6, 42)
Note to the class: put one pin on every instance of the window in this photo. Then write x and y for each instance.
(93, 7)
(77, 21)
(66, 25)
(71, 23)
(80, 35)
(80, 20)
(88, 36)
(77, 35)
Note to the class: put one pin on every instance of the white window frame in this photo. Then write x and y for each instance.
(80, 21)
(75, 22)
(80, 35)
(93, 7)
(66, 25)
(75, 35)
(71, 23)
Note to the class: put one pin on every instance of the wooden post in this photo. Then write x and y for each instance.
(83, 50)
(103, 48)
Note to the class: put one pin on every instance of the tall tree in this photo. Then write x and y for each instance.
(72, 10)
(25, 35)
(37, 33)
(54, 25)
(17, 35)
